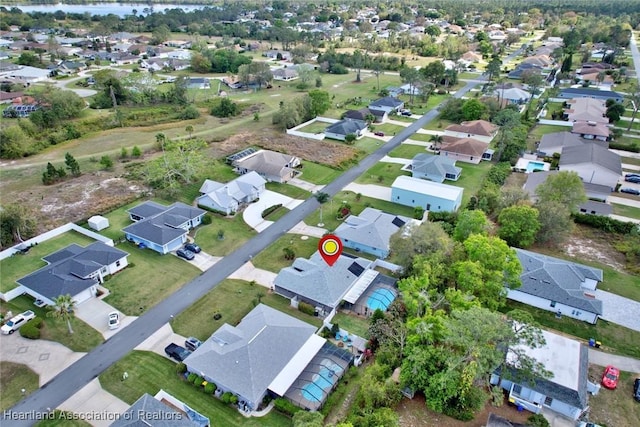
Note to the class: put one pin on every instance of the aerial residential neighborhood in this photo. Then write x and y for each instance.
(350, 214)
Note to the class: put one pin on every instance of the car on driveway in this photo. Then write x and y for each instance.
(186, 254)
(630, 191)
(177, 352)
(405, 112)
(636, 389)
(610, 377)
(378, 133)
(16, 322)
(193, 248)
(192, 343)
(636, 175)
(631, 178)
(114, 320)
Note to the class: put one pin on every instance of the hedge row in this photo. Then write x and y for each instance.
(286, 407)
(31, 329)
(270, 210)
(604, 223)
(306, 308)
(635, 148)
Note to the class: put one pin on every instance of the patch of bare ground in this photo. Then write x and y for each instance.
(595, 245)
(613, 407)
(326, 152)
(414, 413)
(516, 180)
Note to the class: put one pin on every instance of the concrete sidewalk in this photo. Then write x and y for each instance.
(305, 185)
(624, 201)
(93, 399)
(624, 218)
(396, 160)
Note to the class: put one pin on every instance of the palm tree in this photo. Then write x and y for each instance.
(437, 140)
(63, 308)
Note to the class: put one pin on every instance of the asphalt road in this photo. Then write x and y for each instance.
(76, 376)
(635, 54)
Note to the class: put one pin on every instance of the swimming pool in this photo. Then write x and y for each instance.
(532, 166)
(381, 299)
(322, 381)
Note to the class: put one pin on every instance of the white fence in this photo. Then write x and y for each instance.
(317, 136)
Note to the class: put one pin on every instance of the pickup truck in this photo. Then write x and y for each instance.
(17, 321)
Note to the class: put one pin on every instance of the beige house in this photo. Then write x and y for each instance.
(480, 130)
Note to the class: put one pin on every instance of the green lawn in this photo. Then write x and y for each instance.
(470, 179)
(438, 124)
(17, 266)
(233, 299)
(15, 377)
(624, 210)
(388, 128)
(407, 151)
(358, 325)
(272, 258)
(540, 130)
(236, 233)
(368, 144)
(382, 174)
(615, 339)
(149, 278)
(614, 407)
(315, 127)
(631, 161)
(63, 419)
(150, 372)
(277, 214)
(424, 137)
(288, 190)
(330, 209)
(318, 174)
(84, 337)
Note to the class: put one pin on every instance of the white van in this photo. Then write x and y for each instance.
(16, 322)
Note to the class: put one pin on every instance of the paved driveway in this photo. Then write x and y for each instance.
(93, 399)
(252, 215)
(45, 358)
(370, 190)
(620, 310)
(160, 339)
(248, 272)
(623, 363)
(95, 313)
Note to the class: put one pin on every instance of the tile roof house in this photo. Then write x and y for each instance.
(229, 197)
(271, 165)
(586, 110)
(344, 127)
(559, 286)
(74, 270)
(591, 130)
(480, 130)
(162, 228)
(469, 150)
(429, 195)
(434, 168)
(557, 141)
(567, 361)
(595, 164)
(163, 410)
(370, 231)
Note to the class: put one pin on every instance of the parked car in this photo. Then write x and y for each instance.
(634, 179)
(378, 133)
(177, 352)
(17, 321)
(636, 389)
(114, 320)
(610, 377)
(587, 424)
(39, 303)
(636, 175)
(405, 112)
(185, 253)
(193, 248)
(630, 191)
(192, 343)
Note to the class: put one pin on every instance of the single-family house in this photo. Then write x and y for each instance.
(370, 231)
(344, 127)
(162, 228)
(595, 164)
(285, 74)
(559, 286)
(468, 150)
(597, 194)
(160, 411)
(8, 97)
(270, 353)
(591, 130)
(229, 197)
(198, 83)
(524, 68)
(283, 55)
(350, 283)
(593, 207)
(387, 104)
(74, 270)
(555, 142)
(471, 56)
(429, 195)
(271, 165)
(28, 75)
(586, 110)
(513, 95)
(567, 361)
(364, 114)
(583, 92)
(434, 168)
(543, 61)
(480, 130)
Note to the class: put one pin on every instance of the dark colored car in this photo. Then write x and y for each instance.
(630, 191)
(406, 112)
(185, 253)
(192, 343)
(636, 389)
(378, 133)
(634, 179)
(177, 352)
(193, 248)
(637, 175)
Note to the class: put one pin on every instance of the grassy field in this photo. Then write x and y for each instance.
(624, 210)
(438, 124)
(318, 174)
(470, 179)
(382, 174)
(236, 233)
(15, 377)
(614, 407)
(63, 419)
(288, 190)
(615, 339)
(407, 151)
(315, 127)
(388, 128)
(272, 258)
(17, 266)
(631, 161)
(149, 372)
(233, 299)
(277, 214)
(367, 144)
(353, 324)
(330, 209)
(84, 337)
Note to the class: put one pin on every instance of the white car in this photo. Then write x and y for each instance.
(17, 321)
(114, 320)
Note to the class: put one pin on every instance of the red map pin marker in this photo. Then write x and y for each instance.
(330, 248)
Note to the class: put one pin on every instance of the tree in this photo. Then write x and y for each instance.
(434, 72)
(471, 222)
(289, 115)
(350, 138)
(564, 187)
(493, 68)
(614, 112)
(72, 164)
(106, 162)
(308, 419)
(180, 163)
(634, 99)
(410, 76)
(437, 141)
(534, 80)
(519, 225)
(555, 222)
(160, 34)
(473, 109)
(63, 308)
(322, 197)
(305, 73)
(225, 108)
(427, 239)
(320, 102)
(17, 223)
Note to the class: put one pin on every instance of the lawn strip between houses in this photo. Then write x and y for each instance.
(273, 257)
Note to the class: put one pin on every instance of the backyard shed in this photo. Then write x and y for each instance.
(98, 222)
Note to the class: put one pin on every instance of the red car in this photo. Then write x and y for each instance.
(610, 377)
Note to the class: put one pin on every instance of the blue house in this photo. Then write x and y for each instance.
(162, 228)
(431, 196)
(370, 231)
(434, 168)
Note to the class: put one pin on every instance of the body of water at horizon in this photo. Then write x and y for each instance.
(118, 9)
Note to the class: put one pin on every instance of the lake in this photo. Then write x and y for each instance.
(119, 9)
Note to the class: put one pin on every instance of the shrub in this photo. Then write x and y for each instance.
(285, 406)
(604, 223)
(181, 368)
(270, 210)
(30, 331)
(210, 388)
(418, 212)
(206, 219)
(136, 152)
(198, 380)
(191, 377)
(233, 399)
(626, 147)
(37, 322)
(537, 420)
(227, 397)
(306, 308)
(190, 112)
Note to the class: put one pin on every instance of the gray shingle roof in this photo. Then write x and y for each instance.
(315, 279)
(561, 139)
(346, 126)
(147, 209)
(558, 280)
(248, 357)
(235, 191)
(434, 165)
(591, 153)
(267, 162)
(578, 91)
(148, 411)
(160, 223)
(387, 101)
